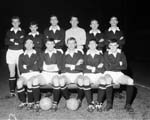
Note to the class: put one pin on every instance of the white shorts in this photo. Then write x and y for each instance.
(47, 77)
(115, 76)
(29, 75)
(12, 56)
(71, 77)
(94, 78)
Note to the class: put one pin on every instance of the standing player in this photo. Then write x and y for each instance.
(96, 34)
(50, 65)
(36, 37)
(115, 63)
(28, 66)
(114, 32)
(55, 32)
(78, 33)
(72, 69)
(14, 40)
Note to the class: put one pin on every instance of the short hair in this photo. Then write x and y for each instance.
(33, 23)
(53, 15)
(94, 20)
(74, 17)
(15, 17)
(49, 40)
(71, 39)
(92, 40)
(114, 17)
(113, 40)
(27, 40)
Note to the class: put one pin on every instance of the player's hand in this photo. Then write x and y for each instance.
(72, 67)
(120, 63)
(16, 43)
(93, 69)
(80, 61)
(25, 66)
(21, 36)
(100, 65)
(121, 38)
(56, 41)
(101, 40)
(12, 40)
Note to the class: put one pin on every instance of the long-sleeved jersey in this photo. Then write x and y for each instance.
(28, 62)
(94, 60)
(97, 36)
(118, 35)
(73, 62)
(116, 62)
(15, 39)
(57, 35)
(38, 40)
(51, 61)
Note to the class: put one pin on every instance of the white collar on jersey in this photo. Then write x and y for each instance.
(15, 30)
(113, 29)
(110, 52)
(94, 31)
(33, 34)
(54, 28)
(29, 53)
(71, 53)
(93, 53)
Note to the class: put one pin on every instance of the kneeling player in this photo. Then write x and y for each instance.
(50, 64)
(115, 62)
(93, 74)
(72, 69)
(28, 66)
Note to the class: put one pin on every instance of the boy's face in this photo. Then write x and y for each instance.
(29, 44)
(94, 24)
(15, 23)
(113, 21)
(113, 46)
(54, 20)
(71, 44)
(74, 21)
(92, 45)
(33, 28)
(50, 45)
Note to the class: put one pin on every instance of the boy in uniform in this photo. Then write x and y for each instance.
(14, 40)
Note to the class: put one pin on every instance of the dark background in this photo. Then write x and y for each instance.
(133, 18)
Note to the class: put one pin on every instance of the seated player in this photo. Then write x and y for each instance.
(36, 37)
(72, 69)
(115, 63)
(50, 65)
(93, 74)
(28, 66)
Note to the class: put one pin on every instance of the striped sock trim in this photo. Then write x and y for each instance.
(80, 87)
(29, 90)
(35, 86)
(87, 87)
(20, 90)
(110, 85)
(55, 87)
(102, 86)
(63, 87)
(12, 78)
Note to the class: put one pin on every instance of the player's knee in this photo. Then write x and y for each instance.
(19, 83)
(102, 81)
(35, 82)
(108, 79)
(12, 73)
(86, 82)
(130, 81)
(80, 81)
(29, 84)
(62, 81)
(55, 81)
